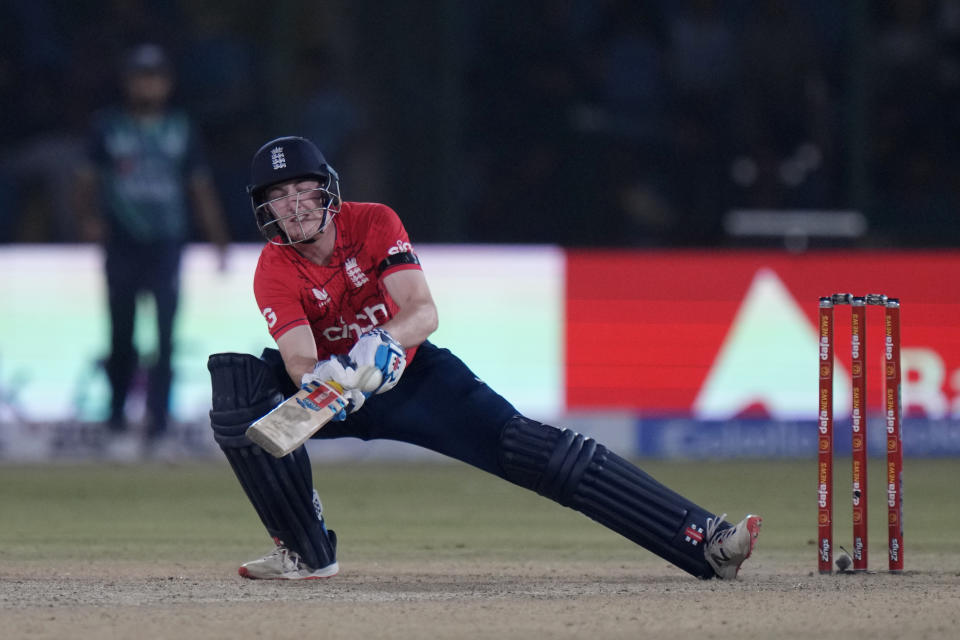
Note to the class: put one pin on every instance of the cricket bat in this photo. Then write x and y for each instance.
(297, 418)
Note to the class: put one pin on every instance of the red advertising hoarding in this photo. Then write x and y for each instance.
(718, 334)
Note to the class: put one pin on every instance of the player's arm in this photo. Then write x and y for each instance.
(206, 203)
(86, 201)
(379, 355)
(299, 351)
(416, 317)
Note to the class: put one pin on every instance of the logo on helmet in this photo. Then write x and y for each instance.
(277, 158)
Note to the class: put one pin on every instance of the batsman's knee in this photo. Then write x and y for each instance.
(244, 389)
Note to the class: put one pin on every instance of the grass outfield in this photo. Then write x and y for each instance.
(171, 516)
(444, 551)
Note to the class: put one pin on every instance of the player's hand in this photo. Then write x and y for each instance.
(355, 399)
(380, 361)
(343, 371)
(340, 369)
(352, 400)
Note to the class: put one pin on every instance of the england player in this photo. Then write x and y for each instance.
(345, 298)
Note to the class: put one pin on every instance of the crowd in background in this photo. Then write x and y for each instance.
(583, 123)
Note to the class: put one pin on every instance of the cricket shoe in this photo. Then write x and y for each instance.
(284, 564)
(727, 549)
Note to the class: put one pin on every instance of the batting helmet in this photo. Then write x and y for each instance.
(289, 158)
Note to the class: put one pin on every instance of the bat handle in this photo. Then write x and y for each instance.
(335, 385)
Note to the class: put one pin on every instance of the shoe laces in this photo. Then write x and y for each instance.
(287, 557)
(718, 536)
(277, 551)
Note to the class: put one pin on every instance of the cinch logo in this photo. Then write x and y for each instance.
(277, 159)
(375, 314)
(400, 247)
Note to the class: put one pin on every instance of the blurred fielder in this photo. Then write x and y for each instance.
(345, 298)
(145, 185)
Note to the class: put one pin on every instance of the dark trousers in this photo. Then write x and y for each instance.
(438, 404)
(132, 270)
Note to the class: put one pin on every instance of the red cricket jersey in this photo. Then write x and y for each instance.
(341, 300)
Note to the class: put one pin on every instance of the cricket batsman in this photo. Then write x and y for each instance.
(345, 298)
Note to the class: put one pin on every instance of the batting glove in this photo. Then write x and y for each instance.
(343, 371)
(355, 399)
(380, 361)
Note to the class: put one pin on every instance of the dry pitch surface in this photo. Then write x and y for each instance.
(438, 570)
(478, 600)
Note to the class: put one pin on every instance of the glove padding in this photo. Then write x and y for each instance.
(342, 370)
(379, 360)
(355, 399)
